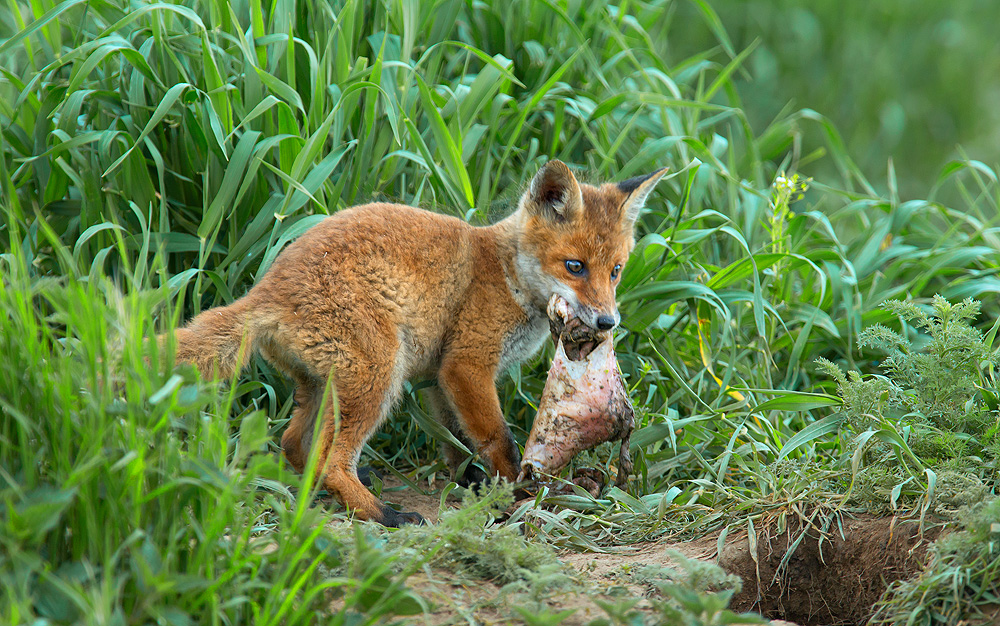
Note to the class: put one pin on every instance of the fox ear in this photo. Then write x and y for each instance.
(636, 190)
(554, 193)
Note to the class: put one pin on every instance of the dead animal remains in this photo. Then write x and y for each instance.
(584, 402)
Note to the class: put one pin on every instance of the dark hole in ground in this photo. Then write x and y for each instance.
(834, 581)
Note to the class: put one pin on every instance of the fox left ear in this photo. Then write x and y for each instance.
(636, 190)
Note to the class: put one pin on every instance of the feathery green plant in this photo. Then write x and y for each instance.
(928, 420)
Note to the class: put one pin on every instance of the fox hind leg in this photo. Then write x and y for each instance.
(339, 453)
(298, 435)
(366, 395)
(366, 390)
(297, 439)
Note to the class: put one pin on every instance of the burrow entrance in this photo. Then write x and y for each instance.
(830, 578)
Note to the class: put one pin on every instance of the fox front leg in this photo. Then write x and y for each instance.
(472, 392)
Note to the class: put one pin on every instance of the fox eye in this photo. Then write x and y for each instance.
(615, 272)
(574, 267)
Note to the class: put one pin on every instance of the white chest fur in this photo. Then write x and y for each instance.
(524, 340)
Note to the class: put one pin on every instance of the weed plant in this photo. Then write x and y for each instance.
(928, 426)
(688, 592)
(468, 542)
(698, 593)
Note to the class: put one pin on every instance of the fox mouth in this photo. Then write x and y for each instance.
(569, 308)
(566, 325)
(589, 322)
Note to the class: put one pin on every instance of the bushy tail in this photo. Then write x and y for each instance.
(219, 342)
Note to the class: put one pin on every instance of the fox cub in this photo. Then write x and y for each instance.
(378, 294)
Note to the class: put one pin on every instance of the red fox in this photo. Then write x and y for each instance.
(377, 294)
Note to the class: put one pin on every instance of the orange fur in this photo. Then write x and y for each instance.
(381, 293)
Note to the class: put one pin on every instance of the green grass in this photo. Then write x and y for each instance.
(962, 581)
(133, 495)
(156, 158)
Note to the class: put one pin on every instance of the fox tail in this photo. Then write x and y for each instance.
(219, 341)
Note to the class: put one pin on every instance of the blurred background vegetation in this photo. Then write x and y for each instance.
(917, 82)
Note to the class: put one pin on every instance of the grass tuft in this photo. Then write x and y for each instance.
(962, 581)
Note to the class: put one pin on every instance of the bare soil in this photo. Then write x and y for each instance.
(828, 581)
(600, 578)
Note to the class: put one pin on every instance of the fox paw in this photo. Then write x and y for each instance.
(394, 519)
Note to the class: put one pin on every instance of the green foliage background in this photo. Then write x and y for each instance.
(156, 157)
(910, 81)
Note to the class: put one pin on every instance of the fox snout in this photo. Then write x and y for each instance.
(599, 319)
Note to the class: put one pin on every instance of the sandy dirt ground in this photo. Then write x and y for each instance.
(601, 576)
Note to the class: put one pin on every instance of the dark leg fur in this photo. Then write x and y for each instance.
(472, 476)
(365, 475)
(390, 518)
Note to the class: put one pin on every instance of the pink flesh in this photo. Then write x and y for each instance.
(584, 402)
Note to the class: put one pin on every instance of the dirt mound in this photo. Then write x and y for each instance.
(835, 580)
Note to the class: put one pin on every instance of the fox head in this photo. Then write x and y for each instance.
(576, 238)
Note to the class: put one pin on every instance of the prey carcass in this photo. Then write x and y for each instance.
(584, 402)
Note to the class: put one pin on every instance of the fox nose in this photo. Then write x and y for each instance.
(605, 322)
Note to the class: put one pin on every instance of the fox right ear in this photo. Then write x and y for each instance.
(554, 193)
(636, 190)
